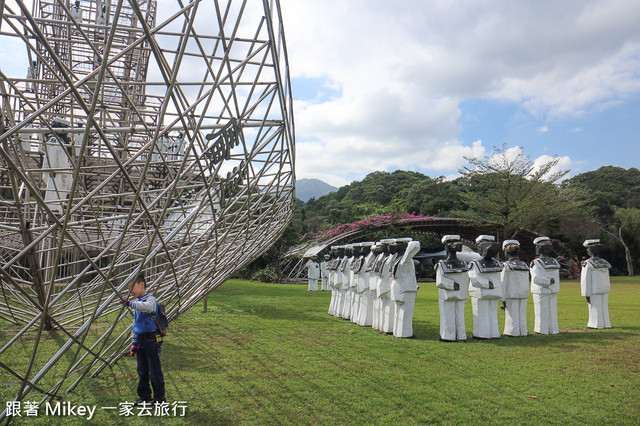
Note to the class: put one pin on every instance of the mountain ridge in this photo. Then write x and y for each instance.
(312, 188)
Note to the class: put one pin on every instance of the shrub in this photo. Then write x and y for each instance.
(266, 275)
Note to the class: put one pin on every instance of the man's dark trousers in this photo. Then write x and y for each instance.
(148, 367)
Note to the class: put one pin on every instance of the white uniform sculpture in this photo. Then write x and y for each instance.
(313, 270)
(324, 272)
(381, 261)
(76, 12)
(362, 281)
(485, 289)
(545, 285)
(374, 280)
(384, 289)
(404, 287)
(354, 267)
(368, 281)
(333, 280)
(346, 282)
(515, 289)
(595, 285)
(453, 283)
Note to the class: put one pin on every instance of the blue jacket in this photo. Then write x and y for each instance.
(144, 307)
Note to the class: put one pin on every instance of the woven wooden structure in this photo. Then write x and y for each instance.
(138, 138)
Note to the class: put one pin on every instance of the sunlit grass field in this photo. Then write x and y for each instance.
(270, 354)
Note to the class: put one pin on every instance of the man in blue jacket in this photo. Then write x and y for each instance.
(146, 343)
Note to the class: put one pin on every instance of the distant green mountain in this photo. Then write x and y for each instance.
(312, 188)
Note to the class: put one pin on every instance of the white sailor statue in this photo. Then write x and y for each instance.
(331, 273)
(545, 285)
(453, 283)
(368, 282)
(515, 290)
(595, 285)
(374, 279)
(324, 272)
(485, 289)
(385, 314)
(353, 281)
(347, 276)
(362, 283)
(336, 280)
(313, 270)
(404, 286)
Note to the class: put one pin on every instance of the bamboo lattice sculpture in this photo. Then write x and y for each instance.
(146, 137)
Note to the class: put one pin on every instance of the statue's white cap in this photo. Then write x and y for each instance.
(450, 238)
(505, 243)
(592, 242)
(485, 238)
(541, 240)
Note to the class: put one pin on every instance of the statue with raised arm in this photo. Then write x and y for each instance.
(354, 276)
(383, 285)
(335, 278)
(404, 287)
(347, 276)
(362, 290)
(377, 250)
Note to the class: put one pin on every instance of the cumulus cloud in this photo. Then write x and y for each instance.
(564, 163)
(515, 159)
(403, 69)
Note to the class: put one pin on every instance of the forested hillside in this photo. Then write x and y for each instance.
(604, 203)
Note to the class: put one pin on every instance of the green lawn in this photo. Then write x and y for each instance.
(269, 353)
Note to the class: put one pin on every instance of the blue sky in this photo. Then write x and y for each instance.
(419, 85)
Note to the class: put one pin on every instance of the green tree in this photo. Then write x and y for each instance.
(614, 203)
(624, 218)
(508, 188)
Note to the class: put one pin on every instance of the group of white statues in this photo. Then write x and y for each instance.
(488, 281)
(317, 273)
(374, 284)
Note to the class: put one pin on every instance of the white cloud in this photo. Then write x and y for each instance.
(543, 129)
(403, 68)
(564, 163)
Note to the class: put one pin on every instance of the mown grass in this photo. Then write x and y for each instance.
(270, 354)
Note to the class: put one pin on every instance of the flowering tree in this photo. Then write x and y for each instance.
(370, 222)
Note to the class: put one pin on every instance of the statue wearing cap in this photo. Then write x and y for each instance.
(452, 281)
(345, 311)
(515, 290)
(545, 285)
(404, 287)
(595, 285)
(377, 250)
(386, 313)
(377, 268)
(356, 263)
(365, 310)
(313, 271)
(337, 282)
(485, 289)
(333, 279)
(324, 272)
